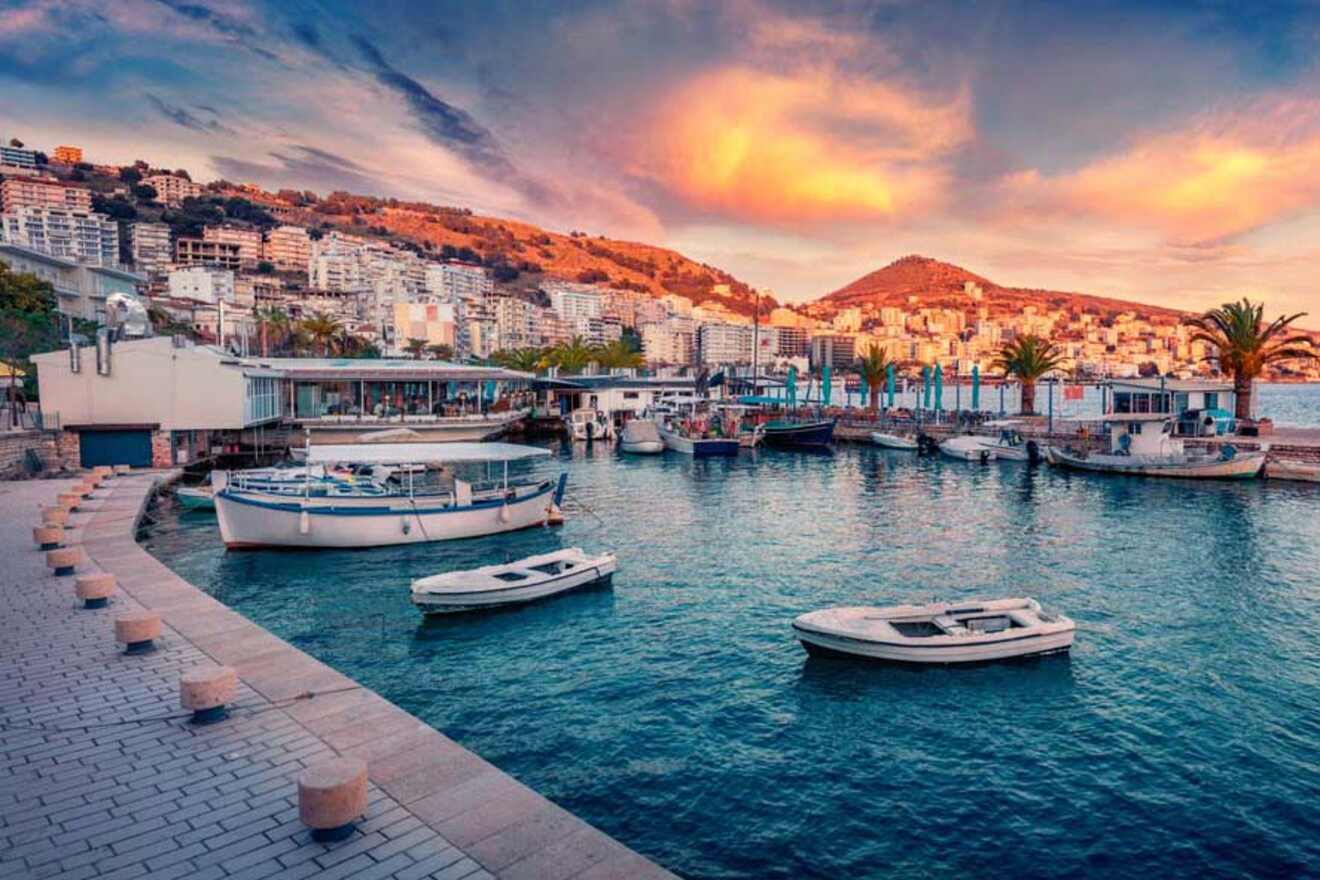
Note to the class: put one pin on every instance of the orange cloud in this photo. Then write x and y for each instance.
(1221, 177)
(814, 145)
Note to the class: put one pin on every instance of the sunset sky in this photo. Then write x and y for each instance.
(1162, 153)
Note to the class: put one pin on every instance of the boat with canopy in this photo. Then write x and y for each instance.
(1142, 444)
(435, 505)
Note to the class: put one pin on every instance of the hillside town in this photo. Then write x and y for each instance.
(255, 273)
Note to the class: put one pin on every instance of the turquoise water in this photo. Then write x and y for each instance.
(676, 712)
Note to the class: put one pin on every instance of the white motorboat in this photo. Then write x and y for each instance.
(894, 441)
(340, 513)
(968, 447)
(590, 424)
(1010, 444)
(497, 586)
(944, 632)
(641, 436)
(1142, 444)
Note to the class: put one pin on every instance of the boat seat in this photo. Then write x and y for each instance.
(946, 623)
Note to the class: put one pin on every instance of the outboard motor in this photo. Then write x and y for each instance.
(927, 445)
(1033, 452)
(985, 456)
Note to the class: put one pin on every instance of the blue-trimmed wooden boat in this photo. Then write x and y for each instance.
(792, 433)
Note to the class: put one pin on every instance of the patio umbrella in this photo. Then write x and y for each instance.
(790, 387)
(889, 381)
(976, 388)
(925, 387)
(939, 388)
(826, 385)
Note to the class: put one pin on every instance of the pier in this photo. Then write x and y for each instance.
(102, 774)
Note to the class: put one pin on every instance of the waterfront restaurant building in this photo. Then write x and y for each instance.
(164, 401)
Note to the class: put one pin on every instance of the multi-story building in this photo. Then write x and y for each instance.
(248, 241)
(289, 248)
(80, 289)
(670, 342)
(724, 344)
(572, 301)
(453, 282)
(792, 342)
(433, 322)
(17, 156)
(835, 350)
(200, 252)
(67, 155)
(172, 189)
(150, 245)
(517, 323)
(202, 284)
(33, 192)
(89, 238)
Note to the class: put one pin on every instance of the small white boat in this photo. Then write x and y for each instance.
(893, 441)
(966, 632)
(1010, 444)
(968, 447)
(641, 436)
(590, 424)
(1142, 444)
(1282, 469)
(497, 586)
(196, 497)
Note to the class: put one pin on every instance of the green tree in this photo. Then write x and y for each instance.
(618, 354)
(441, 352)
(414, 348)
(570, 357)
(526, 360)
(1245, 344)
(29, 324)
(1028, 358)
(273, 325)
(322, 329)
(874, 367)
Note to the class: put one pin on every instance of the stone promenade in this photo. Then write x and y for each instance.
(102, 775)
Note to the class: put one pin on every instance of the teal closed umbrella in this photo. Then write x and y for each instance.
(790, 387)
(826, 386)
(939, 388)
(889, 381)
(925, 387)
(976, 388)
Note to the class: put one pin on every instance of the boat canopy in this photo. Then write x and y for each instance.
(412, 453)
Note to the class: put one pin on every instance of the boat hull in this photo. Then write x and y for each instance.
(975, 452)
(1293, 470)
(250, 520)
(195, 499)
(806, 434)
(642, 447)
(1241, 467)
(702, 448)
(486, 600)
(893, 441)
(832, 645)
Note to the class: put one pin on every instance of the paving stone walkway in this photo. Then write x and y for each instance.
(101, 774)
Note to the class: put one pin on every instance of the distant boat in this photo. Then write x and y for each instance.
(514, 583)
(196, 497)
(795, 433)
(694, 432)
(677, 439)
(968, 447)
(590, 424)
(1142, 444)
(1281, 469)
(968, 632)
(1010, 443)
(641, 437)
(893, 441)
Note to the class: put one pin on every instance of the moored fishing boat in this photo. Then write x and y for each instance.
(1010, 444)
(799, 433)
(641, 437)
(894, 441)
(590, 424)
(968, 447)
(195, 497)
(697, 433)
(1142, 444)
(966, 632)
(1283, 469)
(513, 583)
(342, 514)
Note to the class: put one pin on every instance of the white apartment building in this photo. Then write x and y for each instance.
(172, 189)
(517, 323)
(151, 247)
(347, 264)
(724, 344)
(202, 284)
(33, 192)
(458, 281)
(247, 240)
(80, 289)
(289, 248)
(669, 343)
(572, 301)
(88, 238)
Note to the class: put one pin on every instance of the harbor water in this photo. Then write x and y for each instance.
(1181, 737)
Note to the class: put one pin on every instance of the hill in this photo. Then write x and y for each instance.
(921, 282)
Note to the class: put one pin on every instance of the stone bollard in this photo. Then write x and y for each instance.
(68, 500)
(138, 630)
(205, 691)
(94, 590)
(55, 516)
(48, 537)
(64, 560)
(331, 795)
(122, 469)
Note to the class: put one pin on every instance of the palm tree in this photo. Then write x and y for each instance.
(441, 352)
(570, 357)
(875, 369)
(1245, 344)
(322, 329)
(415, 347)
(1028, 358)
(269, 319)
(527, 360)
(618, 354)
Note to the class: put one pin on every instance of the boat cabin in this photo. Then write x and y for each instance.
(1142, 434)
(1198, 407)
